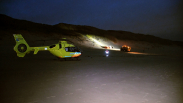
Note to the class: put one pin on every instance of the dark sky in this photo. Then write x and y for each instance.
(162, 18)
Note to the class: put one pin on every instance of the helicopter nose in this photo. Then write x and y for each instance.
(76, 54)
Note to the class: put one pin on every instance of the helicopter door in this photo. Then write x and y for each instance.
(60, 46)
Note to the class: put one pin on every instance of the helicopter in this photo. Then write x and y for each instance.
(62, 49)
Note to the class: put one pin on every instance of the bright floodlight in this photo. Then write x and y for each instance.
(96, 41)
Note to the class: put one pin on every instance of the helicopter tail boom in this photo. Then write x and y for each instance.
(23, 48)
(36, 49)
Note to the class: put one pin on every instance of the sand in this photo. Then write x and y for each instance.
(119, 78)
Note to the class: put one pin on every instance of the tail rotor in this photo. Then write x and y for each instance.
(21, 46)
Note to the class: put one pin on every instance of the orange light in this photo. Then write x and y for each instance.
(76, 55)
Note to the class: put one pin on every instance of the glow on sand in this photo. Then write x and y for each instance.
(138, 53)
(116, 49)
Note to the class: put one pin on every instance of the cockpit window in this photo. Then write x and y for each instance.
(52, 46)
(72, 49)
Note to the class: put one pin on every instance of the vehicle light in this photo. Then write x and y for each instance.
(107, 52)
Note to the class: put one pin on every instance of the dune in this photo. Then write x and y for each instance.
(150, 73)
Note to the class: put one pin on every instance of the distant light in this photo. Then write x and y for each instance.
(107, 52)
(45, 48)
(116, 49)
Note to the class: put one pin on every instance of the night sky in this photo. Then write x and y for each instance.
(162, 18)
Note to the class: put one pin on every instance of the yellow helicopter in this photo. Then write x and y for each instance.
(61, 50)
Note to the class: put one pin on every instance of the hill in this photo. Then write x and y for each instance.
(11, 26)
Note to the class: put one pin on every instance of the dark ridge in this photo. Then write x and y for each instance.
(7, 23)
(122, 35)
(12, 25)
